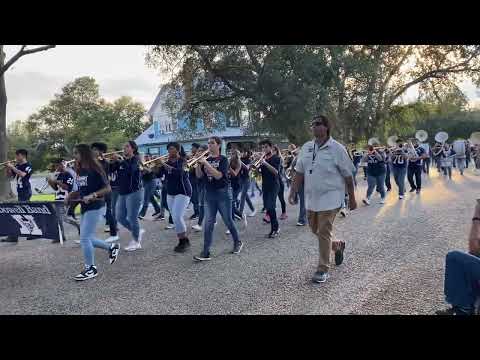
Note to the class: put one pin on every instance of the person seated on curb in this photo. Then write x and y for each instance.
(462, 274)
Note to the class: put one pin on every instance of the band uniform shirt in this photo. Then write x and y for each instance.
(375, 166)
(176, 178)
(23, 183)
(113, 175)
(399, 158)
(73, 174)
(90, 181)
(220, 163)
(129, 176)
(269, 179)
(66, 179)
(325, 169)
(420, 151)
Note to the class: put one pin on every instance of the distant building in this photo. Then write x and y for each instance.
(166, 128)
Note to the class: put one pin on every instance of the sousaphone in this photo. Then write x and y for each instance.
(422, 135)
(441, 137)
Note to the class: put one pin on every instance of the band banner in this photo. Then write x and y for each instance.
(32, 219)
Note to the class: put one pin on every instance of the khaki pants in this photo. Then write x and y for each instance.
(321, 224)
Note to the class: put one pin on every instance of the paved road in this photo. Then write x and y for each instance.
(393, 265)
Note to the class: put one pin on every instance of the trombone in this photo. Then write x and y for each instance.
(192, 163)
(4, 164)
(258, 162)
(150, 164)
(111, 153)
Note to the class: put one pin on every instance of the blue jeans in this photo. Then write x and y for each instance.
(177, 205)
(128, 207)
(399, 174)
(201, 203)
(379, 182)
(244, 185)
(114, 197)
(302, 215)
(221, 201)
(149, 188)
(88, 240)
(462, 279)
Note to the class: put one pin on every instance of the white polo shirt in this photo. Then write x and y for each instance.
(325, 169)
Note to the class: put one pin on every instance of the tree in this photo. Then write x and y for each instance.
(282, 86)
(4, 66)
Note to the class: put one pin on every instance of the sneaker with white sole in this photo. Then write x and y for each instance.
(169, 226)
(400, 197)
(86, 274)
(133, 245)
(197, 228)
(237, 248)
(113, 253)
(202, 257)
(112, 239)
(245, 220)
(107, 228)
(227, 232)
(300, 224)
(76, 242)
(343, 212)
(382, 201)
(366, 201)
(253, 213)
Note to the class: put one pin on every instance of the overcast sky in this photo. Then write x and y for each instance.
(119, 70)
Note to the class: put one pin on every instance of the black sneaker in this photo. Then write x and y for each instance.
(155, 213)
(86, 274)
(194, 216)
(183, 245)
(418, 191)
(339, 254)
(412, 189)
(273, 234)
(202, 257)
(237, 248)
(113, 253)
(10, 240)
(159, 218)
(320, 277)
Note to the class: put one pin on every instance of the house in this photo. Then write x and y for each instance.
(166, 128)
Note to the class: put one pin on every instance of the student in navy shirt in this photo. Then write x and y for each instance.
(270, 170)
(235, 169)
(375, 173)
(130, 194)
(92, 187)
(218, 196)
(281, 190)
(201, 197)
(245, 183)
(399, 158)
(21, 172)
(415, 167)
(62, 183)
(179, 191)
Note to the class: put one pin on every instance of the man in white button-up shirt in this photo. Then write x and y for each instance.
(326, 170)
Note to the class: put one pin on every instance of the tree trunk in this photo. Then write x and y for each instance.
(5, 190)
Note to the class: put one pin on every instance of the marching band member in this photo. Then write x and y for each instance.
(218, 197)
(447, 160)
(93, 185)
(281, 189)
(375, 173)
(414, 169)
(179, 191)
(235, 167)
(63, 185)
(114, 184)
(270, 171)
(399, 167)
(130, 194)
(324, 194)
(388, 160)
(110, 222)
(201, 198)
(356, 158)
(245, 184)
(193, 181)
(21, 171)
(460, 155)
(149, 186)
(437, 155)
(426, 161)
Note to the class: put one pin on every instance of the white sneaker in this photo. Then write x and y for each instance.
(133, 245)
(382, 201)
(140, 235)
(343, 212)
(169, 226)
(197, 227)
(76, 242)
(227, 232)
(400, 197)
(252, 214)
(107, 228)
(366, 201)
(112, 239)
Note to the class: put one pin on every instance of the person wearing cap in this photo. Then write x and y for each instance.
(325, 169)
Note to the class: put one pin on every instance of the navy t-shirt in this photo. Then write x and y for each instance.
(90, 181)
(219, 163)
(23, 184)
(399, 158)
(420, 151)
(245, 172)
(176, 178)
(235, 180)
(375, 167)
(66, 179)
(113, 174)
(269, 179)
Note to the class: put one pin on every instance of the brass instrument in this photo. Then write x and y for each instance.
(150, 164)
(4, 164)
(258, 162)
(106, 155)
(412, 153)
(192, 163)
(441, 137)
(421, 135)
